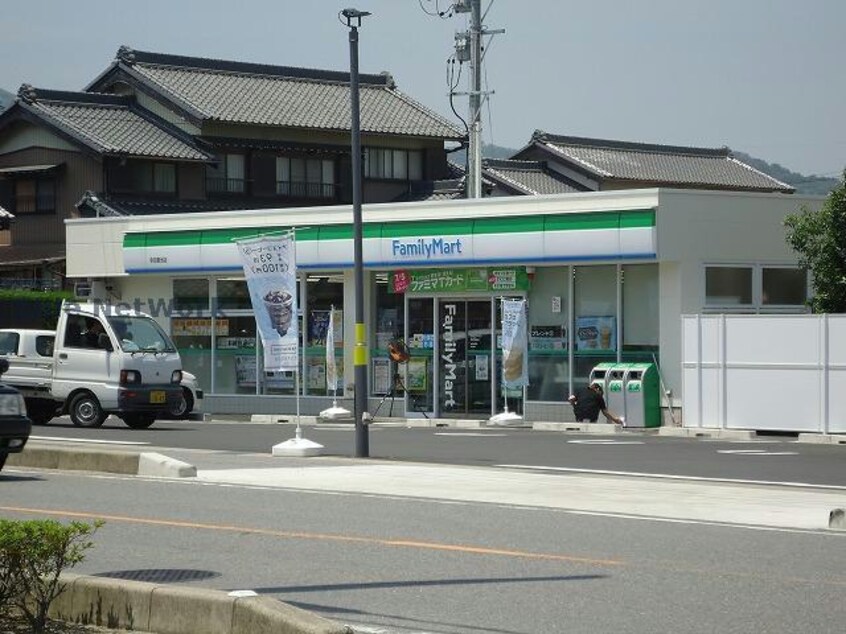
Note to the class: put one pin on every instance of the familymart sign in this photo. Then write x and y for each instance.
(564, 237)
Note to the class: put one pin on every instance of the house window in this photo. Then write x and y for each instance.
(728, 285)
(784, 286)
(305, 178)
(228, 176)
(35, 195)
(393, 164)
(143, 177)
(755, 287)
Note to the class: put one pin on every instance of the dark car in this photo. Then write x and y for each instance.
(14, 425)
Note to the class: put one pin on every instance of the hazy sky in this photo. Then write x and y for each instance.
(767, 77)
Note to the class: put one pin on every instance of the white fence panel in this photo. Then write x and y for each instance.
(765, 372)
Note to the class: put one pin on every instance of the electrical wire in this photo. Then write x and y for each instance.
(437, 13)
(453, 79)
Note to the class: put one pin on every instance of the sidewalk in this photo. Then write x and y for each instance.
(647, 497)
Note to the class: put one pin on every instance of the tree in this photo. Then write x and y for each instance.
(819, 237)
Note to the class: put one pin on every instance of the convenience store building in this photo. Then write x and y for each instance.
(607, 275)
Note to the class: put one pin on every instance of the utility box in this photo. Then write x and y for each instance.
(642, 394)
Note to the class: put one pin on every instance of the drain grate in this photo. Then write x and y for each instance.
(160, 575)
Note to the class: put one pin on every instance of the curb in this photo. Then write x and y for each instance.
(164, 609)
(108, 461)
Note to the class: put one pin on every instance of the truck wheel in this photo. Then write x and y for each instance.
(85, 411)
(139, 421)
(184, 407)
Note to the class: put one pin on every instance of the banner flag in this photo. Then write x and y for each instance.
(515, 370)
(331, 366)
(270, 266)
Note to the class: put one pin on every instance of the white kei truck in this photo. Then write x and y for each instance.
(101, 360)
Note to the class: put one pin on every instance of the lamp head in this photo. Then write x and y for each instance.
(354, 14)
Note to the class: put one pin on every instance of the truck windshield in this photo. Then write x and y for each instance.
(140, 334)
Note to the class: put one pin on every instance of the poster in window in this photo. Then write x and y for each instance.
(381, 376)
(596, 334)
(316, 373)
(417, 375)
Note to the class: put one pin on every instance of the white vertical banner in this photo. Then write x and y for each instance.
(331, 365)
(515, 370)
(270, 267)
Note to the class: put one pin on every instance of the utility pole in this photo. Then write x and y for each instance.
(474, 151)
(469, 47)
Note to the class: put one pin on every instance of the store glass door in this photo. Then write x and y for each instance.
(464, 357)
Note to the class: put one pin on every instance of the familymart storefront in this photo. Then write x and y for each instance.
(587, 264)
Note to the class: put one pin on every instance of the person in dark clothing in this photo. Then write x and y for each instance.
(587, 402)
(92, 335)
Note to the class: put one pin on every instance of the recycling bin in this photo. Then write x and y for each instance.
(641, 389)
(599, 374)
(615, 396)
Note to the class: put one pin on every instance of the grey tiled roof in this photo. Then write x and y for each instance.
(92, 204)
(658, 164)
(527, 177)
(235, 92)
(451, 189)
(110, 124)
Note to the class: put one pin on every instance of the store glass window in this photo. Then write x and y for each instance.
(191, 327)
(233, 294)
(235, 353)
(389, 325)
(640, 313)
(782, 286)
(548, 335)
(190, 294)
(728, 285)
(324, 294)
(595, 328)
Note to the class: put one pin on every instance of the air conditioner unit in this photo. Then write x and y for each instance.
(82, 290)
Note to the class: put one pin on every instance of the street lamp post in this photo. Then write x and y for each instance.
(362, 443)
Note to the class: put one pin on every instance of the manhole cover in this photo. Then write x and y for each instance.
(160, 575)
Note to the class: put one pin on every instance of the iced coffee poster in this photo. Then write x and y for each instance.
(596, 334)
(271, 271)
(515, 372)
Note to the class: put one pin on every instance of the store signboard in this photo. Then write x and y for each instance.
(459, 280)
(198, 327)
(547, 238)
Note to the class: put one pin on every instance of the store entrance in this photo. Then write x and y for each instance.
(465, 369)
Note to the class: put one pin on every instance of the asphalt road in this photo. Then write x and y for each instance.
(769, 459)
(396, 565)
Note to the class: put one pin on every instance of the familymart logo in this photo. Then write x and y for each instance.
(427, 248)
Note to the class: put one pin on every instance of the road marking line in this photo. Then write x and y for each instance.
(473, 434)
(757, 452)
(667, 476)
(400, 543)
(605, 441)
(92, 441)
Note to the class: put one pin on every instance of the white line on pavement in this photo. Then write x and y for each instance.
(757, 452)
(666, 476)
(474, 434)
(92, 441)
(605, 441)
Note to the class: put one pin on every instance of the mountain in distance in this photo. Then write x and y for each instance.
(6, 99)
(808, 185)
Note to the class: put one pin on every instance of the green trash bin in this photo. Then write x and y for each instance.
(642, 395)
